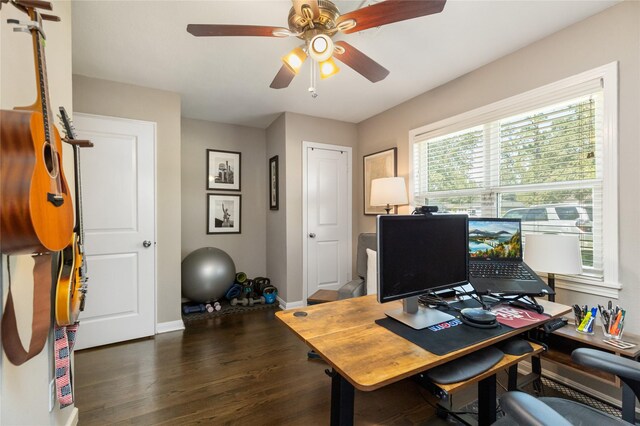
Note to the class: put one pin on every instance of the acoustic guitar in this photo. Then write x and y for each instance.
(71, 287)
(36, 213)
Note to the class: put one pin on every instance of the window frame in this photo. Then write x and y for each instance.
(609, 285)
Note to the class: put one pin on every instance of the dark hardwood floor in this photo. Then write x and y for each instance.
(236, 369)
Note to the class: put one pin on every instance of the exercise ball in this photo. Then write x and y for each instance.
(207, 273)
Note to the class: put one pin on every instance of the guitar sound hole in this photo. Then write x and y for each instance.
(49, 162)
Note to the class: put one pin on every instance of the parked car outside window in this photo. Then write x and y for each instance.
(570, 219)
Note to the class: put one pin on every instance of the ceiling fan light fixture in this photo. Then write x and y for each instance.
(328, 68)
(295, 59)
(321, 47)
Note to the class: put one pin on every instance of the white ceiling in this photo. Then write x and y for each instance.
(226, 79)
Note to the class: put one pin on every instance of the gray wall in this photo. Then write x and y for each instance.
(248, 249)
(276, 219)
(25, 389)
(301, 128)
(102, 97)
(612, 35)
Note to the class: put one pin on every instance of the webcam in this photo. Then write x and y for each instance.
(425, 209)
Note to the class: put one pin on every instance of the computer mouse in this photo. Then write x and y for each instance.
(515, 347)
(478, 315)
(479, 318)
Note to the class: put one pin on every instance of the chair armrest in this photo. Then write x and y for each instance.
(605, 361)
(525, 409)
(353, 288)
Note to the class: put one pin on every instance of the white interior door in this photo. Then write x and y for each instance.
(328, 216)
(118, 201)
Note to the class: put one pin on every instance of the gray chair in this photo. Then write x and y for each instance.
(358, 286)
(523, 409)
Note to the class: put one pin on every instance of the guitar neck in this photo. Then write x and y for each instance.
(77, 144)
(78, 178)
(42, 102)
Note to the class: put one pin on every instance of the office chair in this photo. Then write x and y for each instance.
(524, 409)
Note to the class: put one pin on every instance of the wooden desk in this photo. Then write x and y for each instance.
(366, 356)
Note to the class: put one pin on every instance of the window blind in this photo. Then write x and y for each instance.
(539, 160)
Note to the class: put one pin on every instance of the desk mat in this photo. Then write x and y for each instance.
(446, 337)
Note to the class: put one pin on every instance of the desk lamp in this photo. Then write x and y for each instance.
(388, 192)
(553, 254)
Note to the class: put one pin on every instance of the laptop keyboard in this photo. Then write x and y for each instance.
(504, 271)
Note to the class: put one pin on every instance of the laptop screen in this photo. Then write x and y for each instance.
(495, 239)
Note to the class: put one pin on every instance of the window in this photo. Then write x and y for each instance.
(547, 157)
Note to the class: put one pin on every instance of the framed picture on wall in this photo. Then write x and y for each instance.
(274, 195)
(223, 213)
(223, 170)
(378, 165)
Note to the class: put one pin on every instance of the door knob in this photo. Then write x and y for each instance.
(146, 243)
(312, 235)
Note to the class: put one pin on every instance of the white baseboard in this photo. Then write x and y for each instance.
(290, 305)
(166, 327)
(73, 418)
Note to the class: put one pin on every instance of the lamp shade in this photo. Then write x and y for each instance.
(295, 59)
(553, 253)
(328, 68)
(391, 191)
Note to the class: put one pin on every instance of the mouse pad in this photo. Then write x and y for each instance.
(443, 338)
(516, 317)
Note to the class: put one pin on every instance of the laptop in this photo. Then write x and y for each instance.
(495, 259)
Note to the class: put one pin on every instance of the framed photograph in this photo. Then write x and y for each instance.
(273, 183)
(223, 170)
(223, 213)
(378, 165)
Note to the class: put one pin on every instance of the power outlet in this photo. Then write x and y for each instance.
(52, 395)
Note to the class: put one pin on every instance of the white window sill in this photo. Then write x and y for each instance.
(596, 287)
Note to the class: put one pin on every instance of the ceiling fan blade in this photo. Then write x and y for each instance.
(390, 11)
(283, 78)
(361, 63)
(213, 30)
(313, 4)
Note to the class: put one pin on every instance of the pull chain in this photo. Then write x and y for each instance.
(312, 83)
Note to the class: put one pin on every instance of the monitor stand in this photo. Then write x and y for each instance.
(416, 316)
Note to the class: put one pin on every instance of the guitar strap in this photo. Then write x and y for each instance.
(41, 320)
(65, 340)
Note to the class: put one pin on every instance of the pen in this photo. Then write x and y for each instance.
(578, 313)
(606, 317)
(616, 324)
(589, 327)
(621, 325)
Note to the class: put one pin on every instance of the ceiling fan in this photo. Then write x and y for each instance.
(316, 22)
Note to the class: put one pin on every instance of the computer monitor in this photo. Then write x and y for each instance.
(418, 254)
